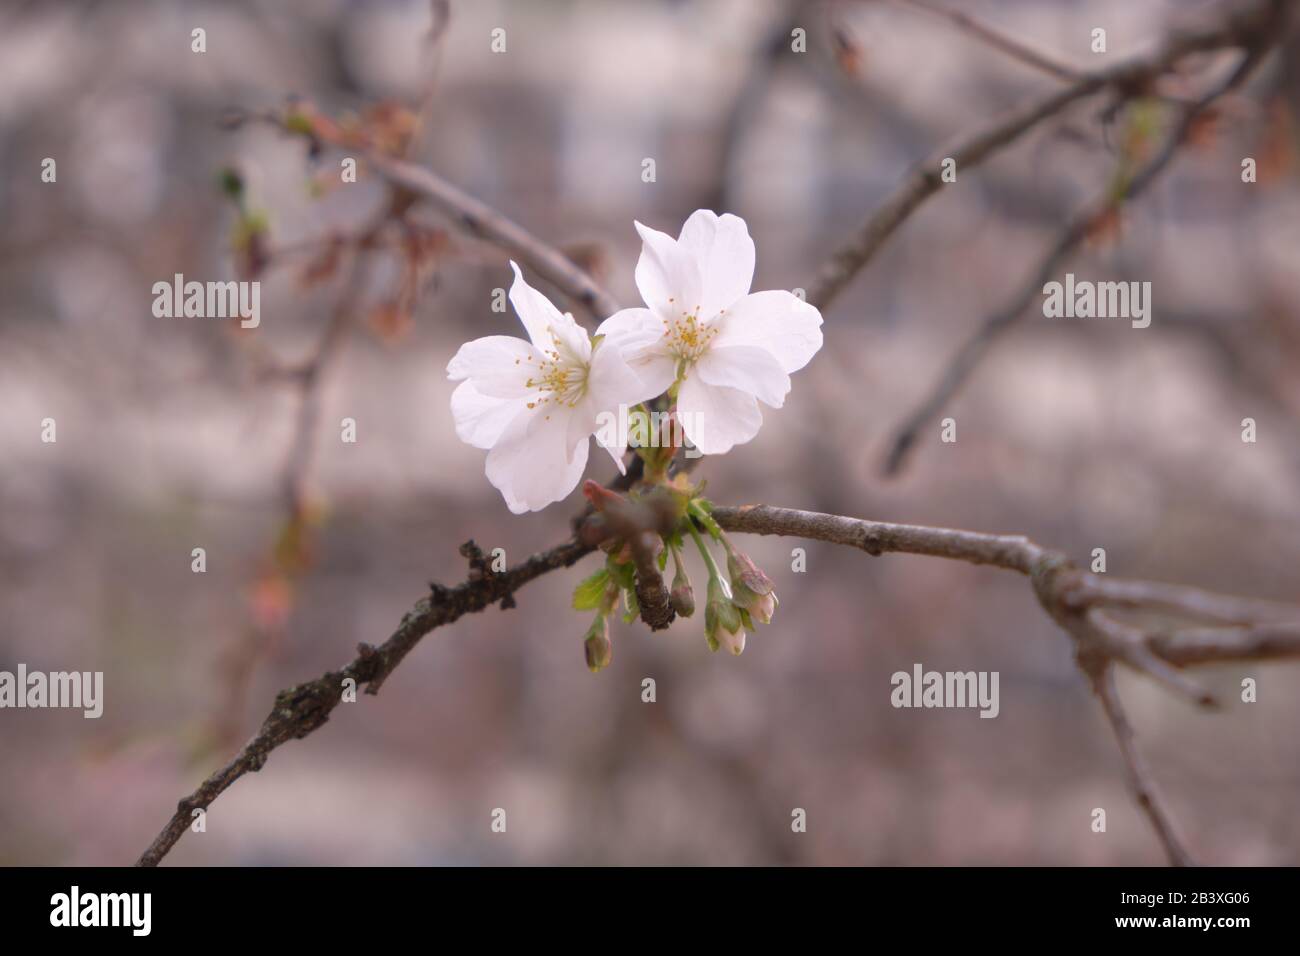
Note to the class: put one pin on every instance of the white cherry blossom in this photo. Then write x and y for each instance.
(534, 403)
(702, 329)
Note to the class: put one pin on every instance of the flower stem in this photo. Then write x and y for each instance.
(677, 558)
(656, 457)
(699, 543)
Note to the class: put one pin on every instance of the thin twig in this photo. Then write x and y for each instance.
(1124, 642)
(1078, 229)
(1017, 49)
(1242, 24)
(482, 220)
(312, 372)
(417, 182)
(1140, 778)
(1187, 601)
(300, 710)
(1215, 644)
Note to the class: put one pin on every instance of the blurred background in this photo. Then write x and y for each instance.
(174, 434)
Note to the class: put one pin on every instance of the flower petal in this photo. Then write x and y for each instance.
(533, 464)
(613, 380)
(632, 326)
(724, 254)
(498, 365)
(617, 454)
(657, 370)
(613, 389)
(715, 417)
(778, 321)
(746, 367)
(481, 419)
(548, 328)
(609, 428)
(581, 421)
(639, 335)
(667, 275)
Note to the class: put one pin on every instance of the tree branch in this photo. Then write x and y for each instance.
(484, 221)
(1075, 232)
(302, 709)
(1141, 781)
(412, 181)
(1202, 645)
(1016, 49)
(1241, 24)
(1065, 592)
(1074, 599)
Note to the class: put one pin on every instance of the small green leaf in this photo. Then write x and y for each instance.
(623, 575)
(297, 122)
(231, 183)
(587, 595)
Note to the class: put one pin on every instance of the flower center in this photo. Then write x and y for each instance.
(688, 337)
(559, 377)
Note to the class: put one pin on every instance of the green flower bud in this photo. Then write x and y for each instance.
(597, 646)
(681, 596)
(743, 570)
(683, 599)
(733, 641)
(751, 589)
(722, 622)
(759, 606)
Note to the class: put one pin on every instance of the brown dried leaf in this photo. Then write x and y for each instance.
(391, 321)
(325, 264)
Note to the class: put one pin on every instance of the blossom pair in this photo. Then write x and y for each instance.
(702, 337)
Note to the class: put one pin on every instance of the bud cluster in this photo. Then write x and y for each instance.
(639, 534)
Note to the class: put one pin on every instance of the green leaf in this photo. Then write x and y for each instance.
(588, 593)
(663, 559)
(297, 122)
(231, 183)
(624, 575)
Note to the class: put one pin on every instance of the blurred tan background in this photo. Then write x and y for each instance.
(1082, 434)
